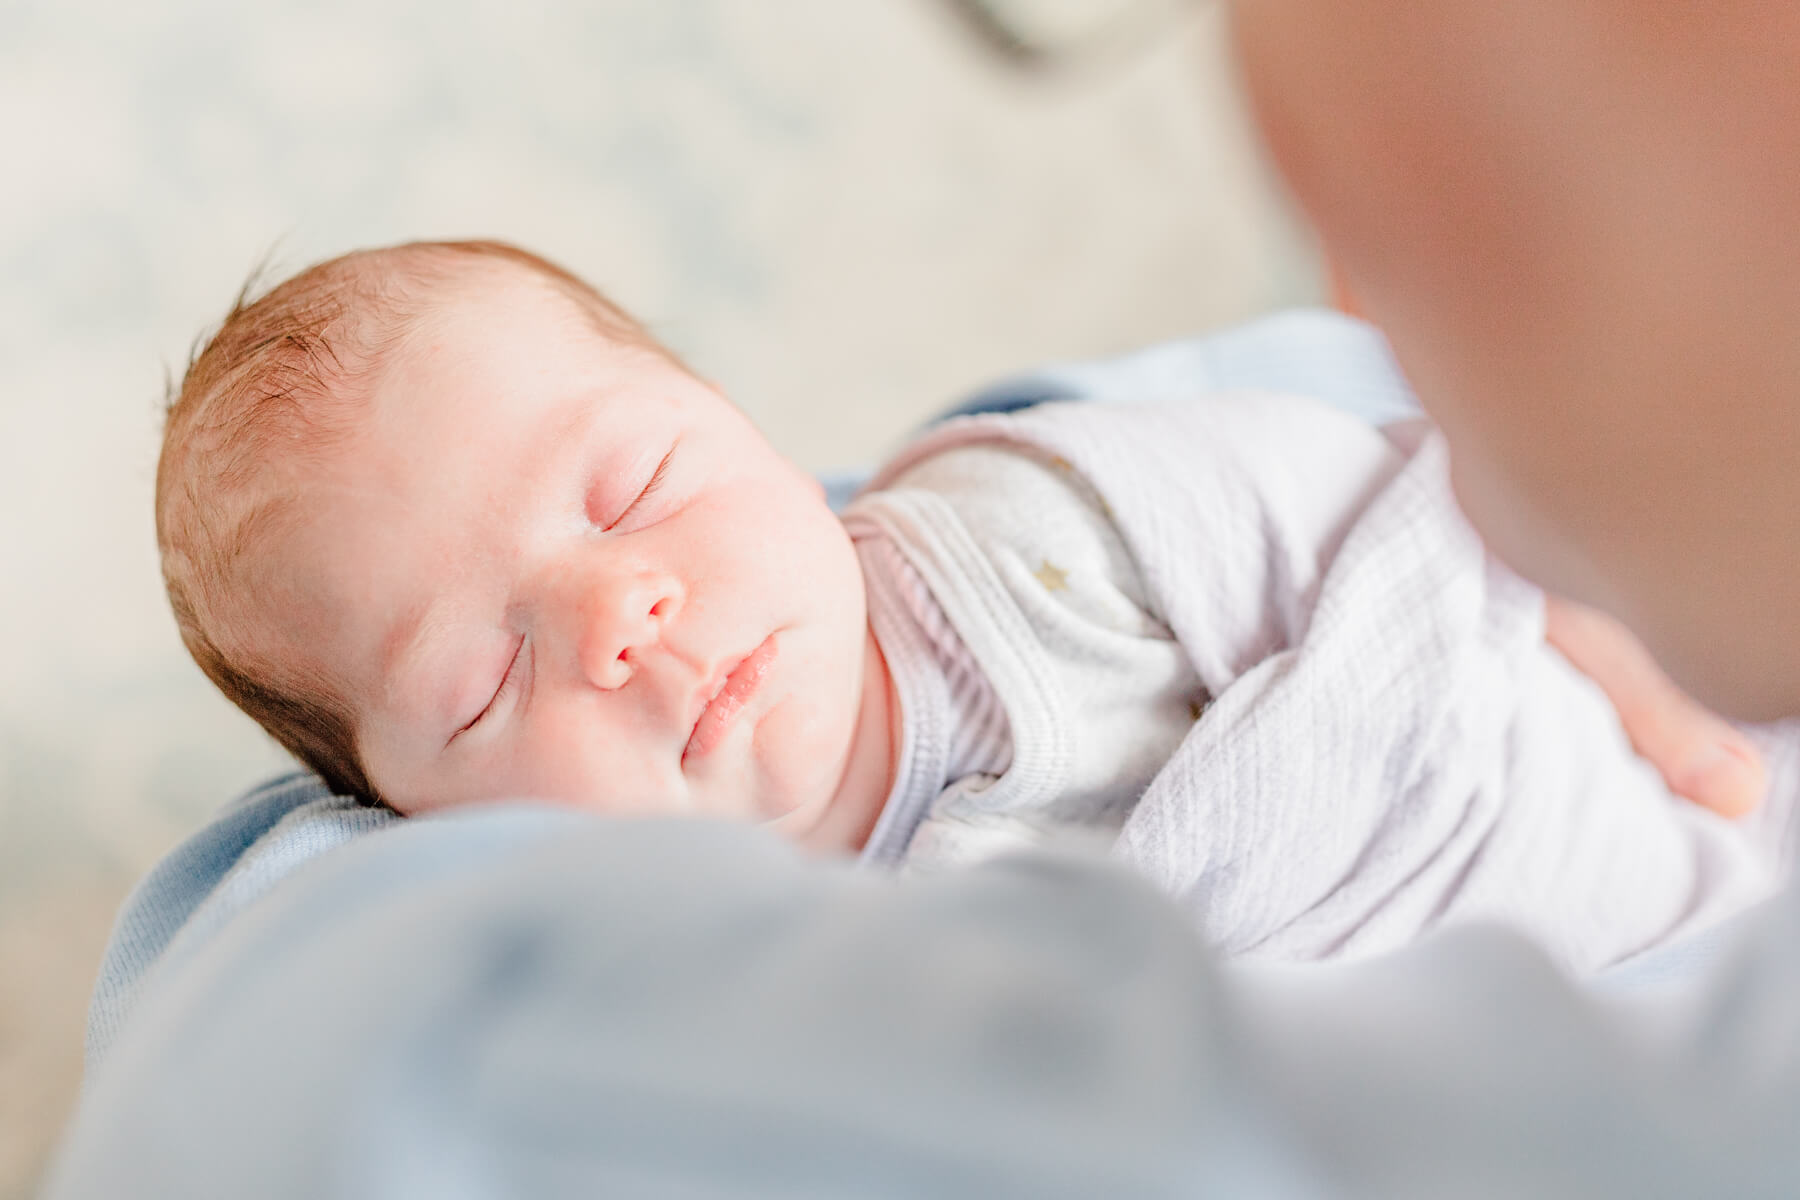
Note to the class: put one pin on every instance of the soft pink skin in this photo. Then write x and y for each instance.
(476, 517)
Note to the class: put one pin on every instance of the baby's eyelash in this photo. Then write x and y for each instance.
(508, 682)
(662, 470)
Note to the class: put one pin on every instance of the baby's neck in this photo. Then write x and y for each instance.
(845, 826)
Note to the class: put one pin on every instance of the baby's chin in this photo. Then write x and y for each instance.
(797, 791)
(810, 828)
(793, 807)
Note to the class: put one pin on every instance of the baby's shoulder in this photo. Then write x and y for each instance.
(1001, 485)
(1042, 525)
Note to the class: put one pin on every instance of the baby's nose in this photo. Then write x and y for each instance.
(620, 621)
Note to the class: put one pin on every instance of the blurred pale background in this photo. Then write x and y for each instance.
(848, 212)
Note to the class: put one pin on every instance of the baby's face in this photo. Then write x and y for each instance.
(550, 567)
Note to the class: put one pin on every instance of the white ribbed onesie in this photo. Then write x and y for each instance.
(1015, 625)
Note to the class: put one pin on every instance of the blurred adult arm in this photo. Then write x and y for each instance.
(524, 1003)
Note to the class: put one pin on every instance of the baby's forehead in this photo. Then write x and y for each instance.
(492, 367)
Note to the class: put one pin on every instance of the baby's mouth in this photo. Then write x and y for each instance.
(726, 699)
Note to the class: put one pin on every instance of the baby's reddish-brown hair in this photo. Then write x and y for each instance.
(275, 388)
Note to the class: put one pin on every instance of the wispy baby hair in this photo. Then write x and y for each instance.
(277, 387)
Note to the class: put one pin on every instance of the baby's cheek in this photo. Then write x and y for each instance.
(578, 763)
(796, 561)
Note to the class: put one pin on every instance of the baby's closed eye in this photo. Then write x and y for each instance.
(599, 501)
(503, 691)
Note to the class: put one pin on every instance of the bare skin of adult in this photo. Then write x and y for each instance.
(1699, 755)
(1576, 221)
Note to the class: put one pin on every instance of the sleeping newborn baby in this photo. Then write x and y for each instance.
(455, 530)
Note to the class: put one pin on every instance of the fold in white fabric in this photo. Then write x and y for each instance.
(1392, 745)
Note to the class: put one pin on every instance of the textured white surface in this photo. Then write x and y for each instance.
(839, 209)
